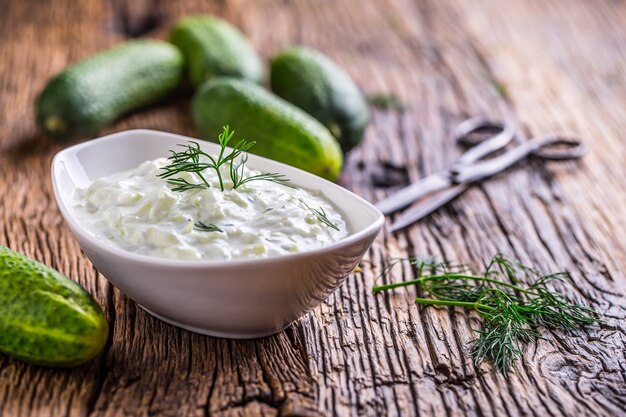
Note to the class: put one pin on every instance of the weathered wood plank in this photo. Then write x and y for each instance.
(557, 66)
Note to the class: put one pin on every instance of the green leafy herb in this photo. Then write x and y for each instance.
(511, 312)
(386, 102)
(195, 161)
(499, 88)
(236, 175)
(203, 227)
(320, 214)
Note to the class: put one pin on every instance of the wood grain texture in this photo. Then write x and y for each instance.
(550, 65)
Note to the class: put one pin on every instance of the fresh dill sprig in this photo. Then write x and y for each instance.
(204, 227)
(186, 161)
(386, 102)
(320, 214)
(511, 311)
(236, 175)
(190, 161)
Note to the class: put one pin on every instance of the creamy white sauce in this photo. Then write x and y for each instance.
(137, 211)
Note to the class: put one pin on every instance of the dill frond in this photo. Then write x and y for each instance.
(511, 311)
(190, 160)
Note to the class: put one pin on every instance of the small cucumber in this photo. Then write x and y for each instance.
(213, 47)
(281, 131)
(46, 318)
(313, 82)
(87, 96)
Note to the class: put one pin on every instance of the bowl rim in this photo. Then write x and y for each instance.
(102, 245)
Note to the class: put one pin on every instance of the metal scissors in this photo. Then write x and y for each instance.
(474, 165)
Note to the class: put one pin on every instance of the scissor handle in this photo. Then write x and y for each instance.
(467, 132)
(548, 147)
(559, 148)
(472, 131)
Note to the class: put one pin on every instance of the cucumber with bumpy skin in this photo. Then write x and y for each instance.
(46, 318)
(313, 82)
(87, 96)
(281, 130)
(213, 47)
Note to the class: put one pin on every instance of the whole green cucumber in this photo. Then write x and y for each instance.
(46, 318)
(213, 47)
(87, 96)
(281, 131)
(313, 82)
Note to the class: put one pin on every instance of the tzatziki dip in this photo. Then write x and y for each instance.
(142, 212)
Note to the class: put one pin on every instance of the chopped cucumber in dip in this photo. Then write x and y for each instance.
(139, 212)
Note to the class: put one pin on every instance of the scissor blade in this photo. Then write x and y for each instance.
(413, 192)
(423, 209)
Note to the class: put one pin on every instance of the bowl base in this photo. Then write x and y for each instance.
(214, 333)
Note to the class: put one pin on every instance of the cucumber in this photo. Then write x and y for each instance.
(46, 318)
(87, 96)
(213, 47)
(281, 131)
(313, 82)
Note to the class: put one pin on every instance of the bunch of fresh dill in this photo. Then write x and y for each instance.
(512, 312)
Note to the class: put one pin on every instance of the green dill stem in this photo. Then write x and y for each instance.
(219, 177)
(467, 304)
(380, 288)
(475, 278)
(205, 181)
(386, 287)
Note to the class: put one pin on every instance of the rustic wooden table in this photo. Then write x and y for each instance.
(551, 65)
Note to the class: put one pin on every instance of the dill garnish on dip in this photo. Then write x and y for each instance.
(194, 205)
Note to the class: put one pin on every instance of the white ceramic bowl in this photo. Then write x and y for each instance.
(236, 298)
